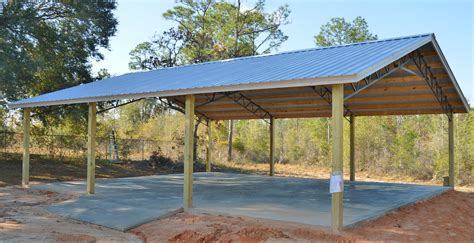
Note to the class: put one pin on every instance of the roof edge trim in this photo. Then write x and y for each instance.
(450, 74)
(228, 88)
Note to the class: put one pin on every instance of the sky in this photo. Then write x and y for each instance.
(452, 21)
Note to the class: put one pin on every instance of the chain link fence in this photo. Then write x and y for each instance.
(72, 146)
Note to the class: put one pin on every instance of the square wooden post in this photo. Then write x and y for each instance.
(91, 147)
(188, 152)
(209, 147)
(337, 153)
(352, 149)
(451, 150)
(272, 146)
(25, 180)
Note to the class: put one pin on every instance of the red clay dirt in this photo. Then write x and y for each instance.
(23, 217)
(448, 217)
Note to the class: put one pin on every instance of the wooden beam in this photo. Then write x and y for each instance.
(91, 146)
(209, 147)
(272, 146)
(451, 150)
(188, 152)
(352, 149)
(337, 153)
(25, 180)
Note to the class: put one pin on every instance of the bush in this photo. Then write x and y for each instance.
(158, 159)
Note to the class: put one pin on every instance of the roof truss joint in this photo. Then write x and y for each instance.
(179, 106)
(373, 78)
(249, 105)
(425, 70)
(326, 94)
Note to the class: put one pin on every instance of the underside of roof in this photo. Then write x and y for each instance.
(398, 76)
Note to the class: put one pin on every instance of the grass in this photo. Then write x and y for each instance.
(45, 169)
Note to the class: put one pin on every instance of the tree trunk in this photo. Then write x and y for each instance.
(229, 149)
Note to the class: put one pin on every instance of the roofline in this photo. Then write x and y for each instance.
(292, 83)
(450, 74)
(392, 58)
(288, 52)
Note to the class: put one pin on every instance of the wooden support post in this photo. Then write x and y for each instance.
(209, 147)
(451, 150)
(188, 152)
(352, 150)
(337, 152)
(272, 146)
(229, 146)
(91, 146)
(26, 148)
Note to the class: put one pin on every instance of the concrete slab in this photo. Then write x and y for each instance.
(128, 202)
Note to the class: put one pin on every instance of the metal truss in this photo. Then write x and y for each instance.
(249, 105)
(378, 75)
(214, 97)
(427, 74)
(180, 106)
(117, 104)
(326, 94)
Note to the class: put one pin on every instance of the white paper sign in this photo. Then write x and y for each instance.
(336, 184)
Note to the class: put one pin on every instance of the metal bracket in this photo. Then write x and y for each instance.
(431, 80)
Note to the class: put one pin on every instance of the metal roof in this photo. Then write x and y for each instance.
(309, 67)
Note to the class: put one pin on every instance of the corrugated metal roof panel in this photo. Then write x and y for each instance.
(339, 63)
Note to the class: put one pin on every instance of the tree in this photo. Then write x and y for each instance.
(338, 32)
(163, 51)
(48, 45)
(211, 30)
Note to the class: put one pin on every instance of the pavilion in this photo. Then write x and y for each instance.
(398, 76)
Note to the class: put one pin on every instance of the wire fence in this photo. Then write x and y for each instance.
(73, 146)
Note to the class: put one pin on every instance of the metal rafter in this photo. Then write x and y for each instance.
(249, 105)
(326, 94)
(378, 75)
(169, 102)
(431, 80)
(214, 97)
(118, 104)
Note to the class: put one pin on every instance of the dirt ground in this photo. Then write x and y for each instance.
(23, 217)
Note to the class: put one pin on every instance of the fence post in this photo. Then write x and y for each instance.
(5, 141)
(143, 149)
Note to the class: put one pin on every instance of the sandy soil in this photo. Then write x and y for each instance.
(448, 217)
(23, 217)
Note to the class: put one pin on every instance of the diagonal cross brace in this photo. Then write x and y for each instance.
(180, 104)
(214, 97)
(118, 104)
(326, 94)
